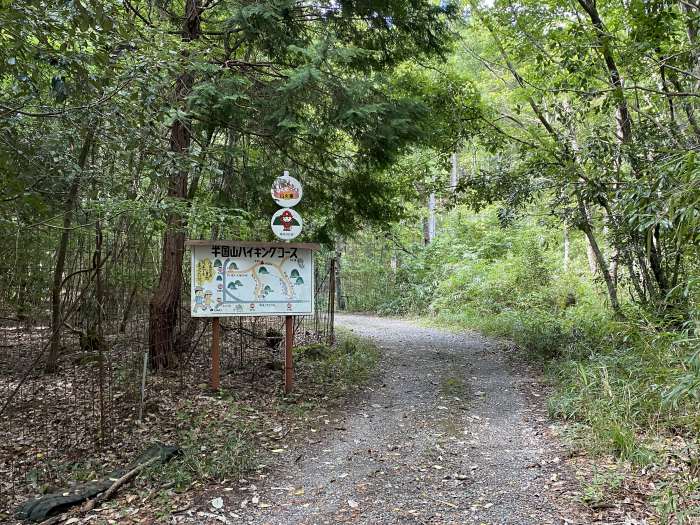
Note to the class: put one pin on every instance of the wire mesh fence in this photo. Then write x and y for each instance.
(366, 277)
(99, 400)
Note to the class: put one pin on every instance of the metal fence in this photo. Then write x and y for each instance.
(366, 279)
(102, 400)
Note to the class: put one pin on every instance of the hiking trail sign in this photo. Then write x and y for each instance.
(231, 278)
(286, 191)
(286, 223)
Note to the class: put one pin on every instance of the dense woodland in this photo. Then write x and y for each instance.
(525, 168)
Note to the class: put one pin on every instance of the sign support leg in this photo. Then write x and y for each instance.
(215, 353)
(288, 359)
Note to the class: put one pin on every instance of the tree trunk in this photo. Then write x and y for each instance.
(99, 329)
(127, 309)
(691, 13)
(625, 129)
(687, 108)
(691, 25)
(565, 262)
(622, 114)
(585, 226)
(165, 303)
(590, 255)
(56, 313)
(431, 217)
(454, 172)
(339, 292)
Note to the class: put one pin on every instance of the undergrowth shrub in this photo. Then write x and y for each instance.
(347, 364)
(624, 381)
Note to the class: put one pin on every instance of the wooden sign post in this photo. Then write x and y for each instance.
(215, 353)
(288, 356)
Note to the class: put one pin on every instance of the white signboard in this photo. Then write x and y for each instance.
(286, 191)
(286, 224)
(233, 279)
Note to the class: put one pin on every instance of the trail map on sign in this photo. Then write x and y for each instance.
(269, 279)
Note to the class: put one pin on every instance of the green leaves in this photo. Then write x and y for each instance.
(301, 77)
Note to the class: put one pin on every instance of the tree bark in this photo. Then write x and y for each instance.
(590, 251)
(99, 329)
(691, 26)
(603, 37)
(165, 303)
(691, 12)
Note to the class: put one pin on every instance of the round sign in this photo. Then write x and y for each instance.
(286, 191)
(286, 224)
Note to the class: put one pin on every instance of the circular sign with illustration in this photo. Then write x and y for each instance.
(286, 224)
(286, 191)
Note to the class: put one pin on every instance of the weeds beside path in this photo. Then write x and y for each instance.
(446, 434)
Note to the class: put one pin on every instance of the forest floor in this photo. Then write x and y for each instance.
(452, 430)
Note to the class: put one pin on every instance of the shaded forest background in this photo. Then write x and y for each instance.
(528, 169)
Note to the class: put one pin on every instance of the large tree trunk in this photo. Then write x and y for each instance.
(165, 303)
(56, 288)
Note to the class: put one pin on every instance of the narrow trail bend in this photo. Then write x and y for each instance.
(448, 435)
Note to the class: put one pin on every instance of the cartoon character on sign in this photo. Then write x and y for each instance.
(286, 220)
(198, 299)
(207, 301)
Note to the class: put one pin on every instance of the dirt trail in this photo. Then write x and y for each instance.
(448, 434)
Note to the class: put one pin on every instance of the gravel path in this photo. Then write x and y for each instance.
(451, 432)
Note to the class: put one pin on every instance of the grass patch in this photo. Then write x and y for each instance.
(453, 386)
(216, 443)
(341, 368)
(601, 487)
(628, 391)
